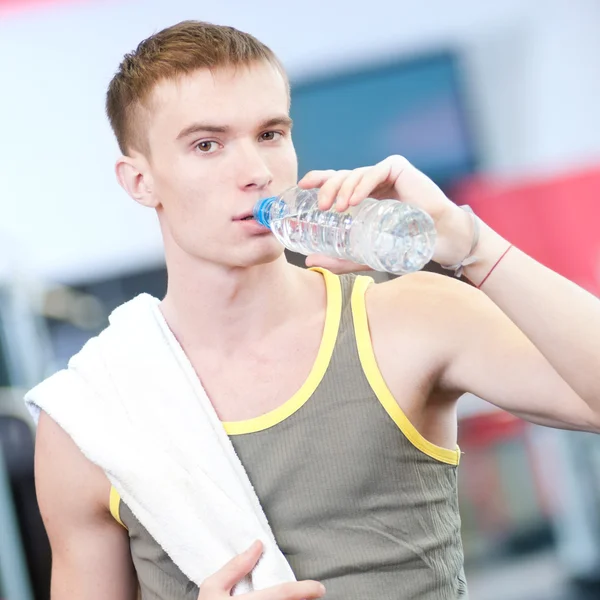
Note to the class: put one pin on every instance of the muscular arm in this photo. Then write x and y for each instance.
(90, 551)
(561, 319)
(468, 344)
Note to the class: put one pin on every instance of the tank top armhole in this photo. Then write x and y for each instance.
(115, 505)
(378, 385)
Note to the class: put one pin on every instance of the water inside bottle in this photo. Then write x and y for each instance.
(307, 232)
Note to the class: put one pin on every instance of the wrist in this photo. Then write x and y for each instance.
(489, 250)
(455, 237)
(467, 256)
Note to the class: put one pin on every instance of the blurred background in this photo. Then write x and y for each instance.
(497, 101)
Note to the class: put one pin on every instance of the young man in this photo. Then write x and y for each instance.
(339, 396)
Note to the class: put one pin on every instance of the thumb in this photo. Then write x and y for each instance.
(237, 568)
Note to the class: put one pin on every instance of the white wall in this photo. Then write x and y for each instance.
(531, 67)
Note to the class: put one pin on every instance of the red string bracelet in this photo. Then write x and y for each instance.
(492, 269)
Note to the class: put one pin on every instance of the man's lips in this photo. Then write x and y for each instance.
(244, 217)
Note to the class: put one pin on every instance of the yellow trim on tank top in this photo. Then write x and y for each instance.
(330, 331)
(378, 384)
(114, 504)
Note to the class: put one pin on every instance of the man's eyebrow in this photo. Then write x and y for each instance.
(202, 128)
(282, 120)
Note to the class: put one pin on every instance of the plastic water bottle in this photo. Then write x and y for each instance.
(386, 235)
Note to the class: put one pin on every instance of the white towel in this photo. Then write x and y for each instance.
(132, 402)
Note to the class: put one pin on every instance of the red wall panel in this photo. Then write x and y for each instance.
(14, 6)
(555, 220)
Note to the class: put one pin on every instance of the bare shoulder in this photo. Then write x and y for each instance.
(436, 317)
(427, 296)
(427, 316)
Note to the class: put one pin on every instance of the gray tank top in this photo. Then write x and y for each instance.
(356, 497)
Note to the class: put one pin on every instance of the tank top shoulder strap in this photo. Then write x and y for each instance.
(115, 506)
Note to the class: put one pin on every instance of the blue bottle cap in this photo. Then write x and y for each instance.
(262, 211)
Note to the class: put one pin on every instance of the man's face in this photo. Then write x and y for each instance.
(220, 141)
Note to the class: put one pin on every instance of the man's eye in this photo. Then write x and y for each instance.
(207, 147)
(269, 136)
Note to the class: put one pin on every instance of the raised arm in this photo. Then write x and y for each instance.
(558, 317)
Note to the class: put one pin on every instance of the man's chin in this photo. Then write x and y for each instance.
(265, 257)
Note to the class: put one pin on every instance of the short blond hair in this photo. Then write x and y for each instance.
(171, 53)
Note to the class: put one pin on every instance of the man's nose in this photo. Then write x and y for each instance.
(253, 170)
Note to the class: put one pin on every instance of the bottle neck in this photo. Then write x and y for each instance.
(263, 211)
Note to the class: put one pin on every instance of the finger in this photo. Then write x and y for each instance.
(329, 190)
(335, 265)
(314, 179)
(296, 590)
(347, 188)
(370, 180)
(235, 570)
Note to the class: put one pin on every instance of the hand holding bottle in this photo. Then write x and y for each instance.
(393, 178)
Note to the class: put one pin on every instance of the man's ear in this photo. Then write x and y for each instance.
(133, 174)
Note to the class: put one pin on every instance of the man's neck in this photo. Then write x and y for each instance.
(224, 309)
